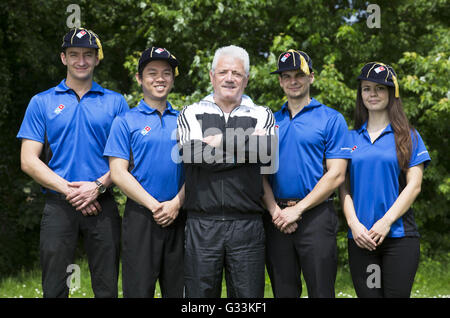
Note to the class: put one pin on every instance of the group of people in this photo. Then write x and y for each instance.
(223, 184)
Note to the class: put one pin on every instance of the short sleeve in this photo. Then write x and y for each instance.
(123, 105)
(118, 143)
(33, 124)
(337, 140)
(419, 151)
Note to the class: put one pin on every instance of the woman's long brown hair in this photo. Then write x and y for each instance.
(399, 123)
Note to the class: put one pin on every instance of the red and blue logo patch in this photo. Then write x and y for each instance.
(81, 34)
(145, 130)
(285, 57)
(379, 69)
(59, 109)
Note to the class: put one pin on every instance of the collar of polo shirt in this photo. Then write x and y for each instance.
(145, 108)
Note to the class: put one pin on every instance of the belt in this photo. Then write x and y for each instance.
(284, 203)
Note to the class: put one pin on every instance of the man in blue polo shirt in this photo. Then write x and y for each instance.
(69, 125)
(301, 230)
(140, 149)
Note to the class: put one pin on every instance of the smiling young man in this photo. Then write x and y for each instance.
(224, 138)
(313, 159)
(69, 125)
(140, 155)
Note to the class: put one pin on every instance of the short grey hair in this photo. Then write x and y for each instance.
(233, 51)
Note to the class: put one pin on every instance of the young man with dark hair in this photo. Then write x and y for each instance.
(69, 125)
(140, 155)
(302, 226)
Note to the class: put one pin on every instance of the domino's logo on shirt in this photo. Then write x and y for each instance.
(59, 109)
(145, 130)
(349, 149)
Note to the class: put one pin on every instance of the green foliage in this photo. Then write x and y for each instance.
(26, 68)
(414, 37)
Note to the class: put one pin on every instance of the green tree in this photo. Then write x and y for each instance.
(414, 38)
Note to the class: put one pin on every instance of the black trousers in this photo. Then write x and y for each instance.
(311, 249)
(151, 252)
(61, 225)
(388, 271)
(236, 245)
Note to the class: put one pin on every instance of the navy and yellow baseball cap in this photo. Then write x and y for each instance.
(294, 60)
(157, 53)
(380, 73)
(81, 37)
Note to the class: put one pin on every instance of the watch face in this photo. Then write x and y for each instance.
(102, 189)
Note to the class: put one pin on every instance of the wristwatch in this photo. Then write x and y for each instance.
(100, 187)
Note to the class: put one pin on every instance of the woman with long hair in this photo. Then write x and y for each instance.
(383, 180)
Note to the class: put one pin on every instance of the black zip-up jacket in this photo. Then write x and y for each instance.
(226, 182)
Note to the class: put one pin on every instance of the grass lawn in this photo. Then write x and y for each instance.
(432, 280)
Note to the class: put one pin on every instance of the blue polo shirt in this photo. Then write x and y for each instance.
(74, 130)
(376, 178)
(149, 141)
(316, 133)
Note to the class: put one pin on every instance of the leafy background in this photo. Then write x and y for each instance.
(414, 38)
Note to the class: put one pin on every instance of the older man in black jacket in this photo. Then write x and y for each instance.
(227, 144)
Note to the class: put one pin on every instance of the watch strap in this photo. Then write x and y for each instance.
(100, 186)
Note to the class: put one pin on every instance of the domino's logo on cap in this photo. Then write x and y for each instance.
(380, 73)
(380, 69)
(157, 53)
(294, 60)
(285, 57)
(76, 37)
(81, 34)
